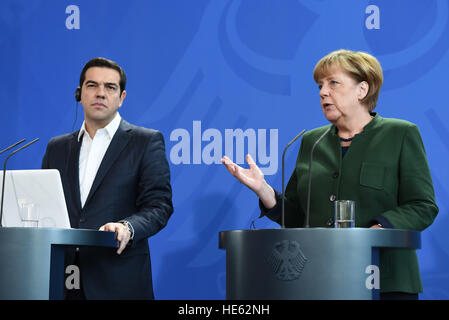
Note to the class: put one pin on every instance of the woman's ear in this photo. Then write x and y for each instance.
(363, 90)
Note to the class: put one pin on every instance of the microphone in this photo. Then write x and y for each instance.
(12, 146)
(4, 171)
(283, 177)
(309, 186)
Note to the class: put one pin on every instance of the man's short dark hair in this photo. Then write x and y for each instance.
(104, 63)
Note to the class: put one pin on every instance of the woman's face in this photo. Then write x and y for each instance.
(340, 95)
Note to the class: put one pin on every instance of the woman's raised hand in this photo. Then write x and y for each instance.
(253, 178)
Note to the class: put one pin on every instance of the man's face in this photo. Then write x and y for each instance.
(100, 95)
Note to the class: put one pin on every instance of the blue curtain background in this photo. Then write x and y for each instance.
(197, 68)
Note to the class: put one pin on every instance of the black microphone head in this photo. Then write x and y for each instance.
(78, 94)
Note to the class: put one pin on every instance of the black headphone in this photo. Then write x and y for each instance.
(78, 94)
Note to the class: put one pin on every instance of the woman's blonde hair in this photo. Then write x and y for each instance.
(360, 66)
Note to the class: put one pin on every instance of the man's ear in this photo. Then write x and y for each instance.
(122, 97)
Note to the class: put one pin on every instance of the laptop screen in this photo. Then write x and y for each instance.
(34, 198)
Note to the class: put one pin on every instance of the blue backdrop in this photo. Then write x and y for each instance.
(208, 73)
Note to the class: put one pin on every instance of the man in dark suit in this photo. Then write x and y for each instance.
(116, 178)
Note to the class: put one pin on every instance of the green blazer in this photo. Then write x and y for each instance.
(385, 171)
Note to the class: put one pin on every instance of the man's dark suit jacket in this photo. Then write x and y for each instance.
(133, 184)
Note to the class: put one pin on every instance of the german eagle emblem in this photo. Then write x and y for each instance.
(287, 260)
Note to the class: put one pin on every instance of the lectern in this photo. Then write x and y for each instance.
(32, 259)
(312, 263)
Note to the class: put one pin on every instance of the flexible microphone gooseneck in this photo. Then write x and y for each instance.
(283, 177)
(12, 146)
(4, 171)
(309, 186)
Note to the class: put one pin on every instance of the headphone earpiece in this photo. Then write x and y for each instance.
(78, 94)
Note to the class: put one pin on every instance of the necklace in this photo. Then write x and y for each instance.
(346, 140)
(350, 139)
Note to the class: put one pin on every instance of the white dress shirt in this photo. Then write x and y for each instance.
(92, 153)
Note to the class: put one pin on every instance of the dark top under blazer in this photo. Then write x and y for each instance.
(132, 183)
(385, 171)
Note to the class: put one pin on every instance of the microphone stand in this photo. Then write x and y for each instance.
(309, 186)
(283, 177)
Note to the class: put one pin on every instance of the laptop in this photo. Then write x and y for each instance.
(34, 198)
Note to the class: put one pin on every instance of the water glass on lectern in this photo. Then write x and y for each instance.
(344, 214)
(29, 214)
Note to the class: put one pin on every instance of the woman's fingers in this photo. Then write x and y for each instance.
(250, 177)
(250, 160)
(252, 164)
(231, 166)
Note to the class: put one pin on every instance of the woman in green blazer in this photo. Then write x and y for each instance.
(378, 162)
